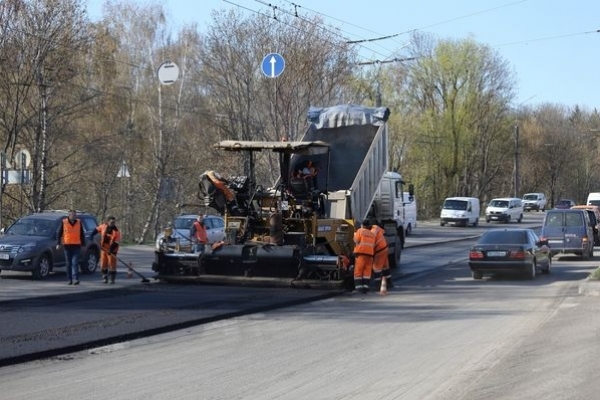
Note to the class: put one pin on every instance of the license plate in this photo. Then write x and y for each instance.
(493, 217)
(4, 256)
(555, 241)
(496, 253)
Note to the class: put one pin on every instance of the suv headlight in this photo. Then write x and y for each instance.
(26, 248)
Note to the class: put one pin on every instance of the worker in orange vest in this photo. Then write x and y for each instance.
(71, 236)
(364, 250)
(220, 183)
(198, 236)
(381, 266)
(110, 236)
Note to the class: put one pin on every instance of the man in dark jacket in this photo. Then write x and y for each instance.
(71, 236)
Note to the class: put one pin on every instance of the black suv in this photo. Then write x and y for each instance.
(29, 244)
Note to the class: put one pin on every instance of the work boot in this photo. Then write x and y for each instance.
(104, 276)
(113, 275)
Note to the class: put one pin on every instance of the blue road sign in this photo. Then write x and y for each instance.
(273, 65)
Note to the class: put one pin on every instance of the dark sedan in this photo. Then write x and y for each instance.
(509, 250)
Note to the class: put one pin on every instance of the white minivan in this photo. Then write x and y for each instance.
(504, 209)
(593, 199)
(534, 201)
(460, 211)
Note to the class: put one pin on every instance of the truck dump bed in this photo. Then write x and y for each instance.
(358, 156)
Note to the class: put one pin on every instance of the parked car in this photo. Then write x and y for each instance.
(569, 231)
(564, 204)
(214, 224)
(509, 250)
(505, 209)
(594, 214)
(29, 244)
(534, 201)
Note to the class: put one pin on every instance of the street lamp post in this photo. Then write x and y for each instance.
(123, 174)
(516, 160)
(516, 134)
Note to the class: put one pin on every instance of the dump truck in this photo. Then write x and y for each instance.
(299, 231)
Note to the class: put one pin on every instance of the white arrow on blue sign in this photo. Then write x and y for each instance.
(273, 65)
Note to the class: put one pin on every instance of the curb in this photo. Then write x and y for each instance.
(590, 287)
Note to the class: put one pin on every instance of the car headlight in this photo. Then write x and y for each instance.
(159, 240)
(26, 248)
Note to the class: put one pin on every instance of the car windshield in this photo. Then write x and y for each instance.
(32, 227)
(499, 203)
(183, 223)
(455, 205)
(505, 237)
(530, 197)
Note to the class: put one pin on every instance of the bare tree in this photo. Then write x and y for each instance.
(457, 94)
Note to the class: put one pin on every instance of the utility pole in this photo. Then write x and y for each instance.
(516, 160)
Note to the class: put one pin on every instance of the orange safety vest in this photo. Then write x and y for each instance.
(114, 236)
(200, 233)
(364, 241)
(380, 242)
(71, 232)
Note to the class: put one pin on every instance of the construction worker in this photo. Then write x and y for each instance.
(220, 183)
(198, 235)
(381, 266)
(110, 236)
(72, 237)
(364, 250)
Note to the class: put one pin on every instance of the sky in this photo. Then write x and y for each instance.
(551, 46)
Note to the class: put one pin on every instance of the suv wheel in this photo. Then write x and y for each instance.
(41, 267)
(89, 263)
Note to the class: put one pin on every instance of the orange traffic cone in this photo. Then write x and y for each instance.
(129, 273)
(383, 290)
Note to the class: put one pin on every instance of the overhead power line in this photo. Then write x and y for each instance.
(548, 38)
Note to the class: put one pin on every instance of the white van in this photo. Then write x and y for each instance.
(460, 211)
(534, 201)
(504, 209)
(410, 213)
(593, 199)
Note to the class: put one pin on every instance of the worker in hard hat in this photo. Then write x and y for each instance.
(364, 250)
(381, 266)
(221, 184)
(198, 235)
(110, 236)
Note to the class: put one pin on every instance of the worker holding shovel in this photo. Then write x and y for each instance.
(110, 236)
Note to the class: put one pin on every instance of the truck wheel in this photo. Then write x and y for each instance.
(476, 222)
(394, 259)
(41, 267)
